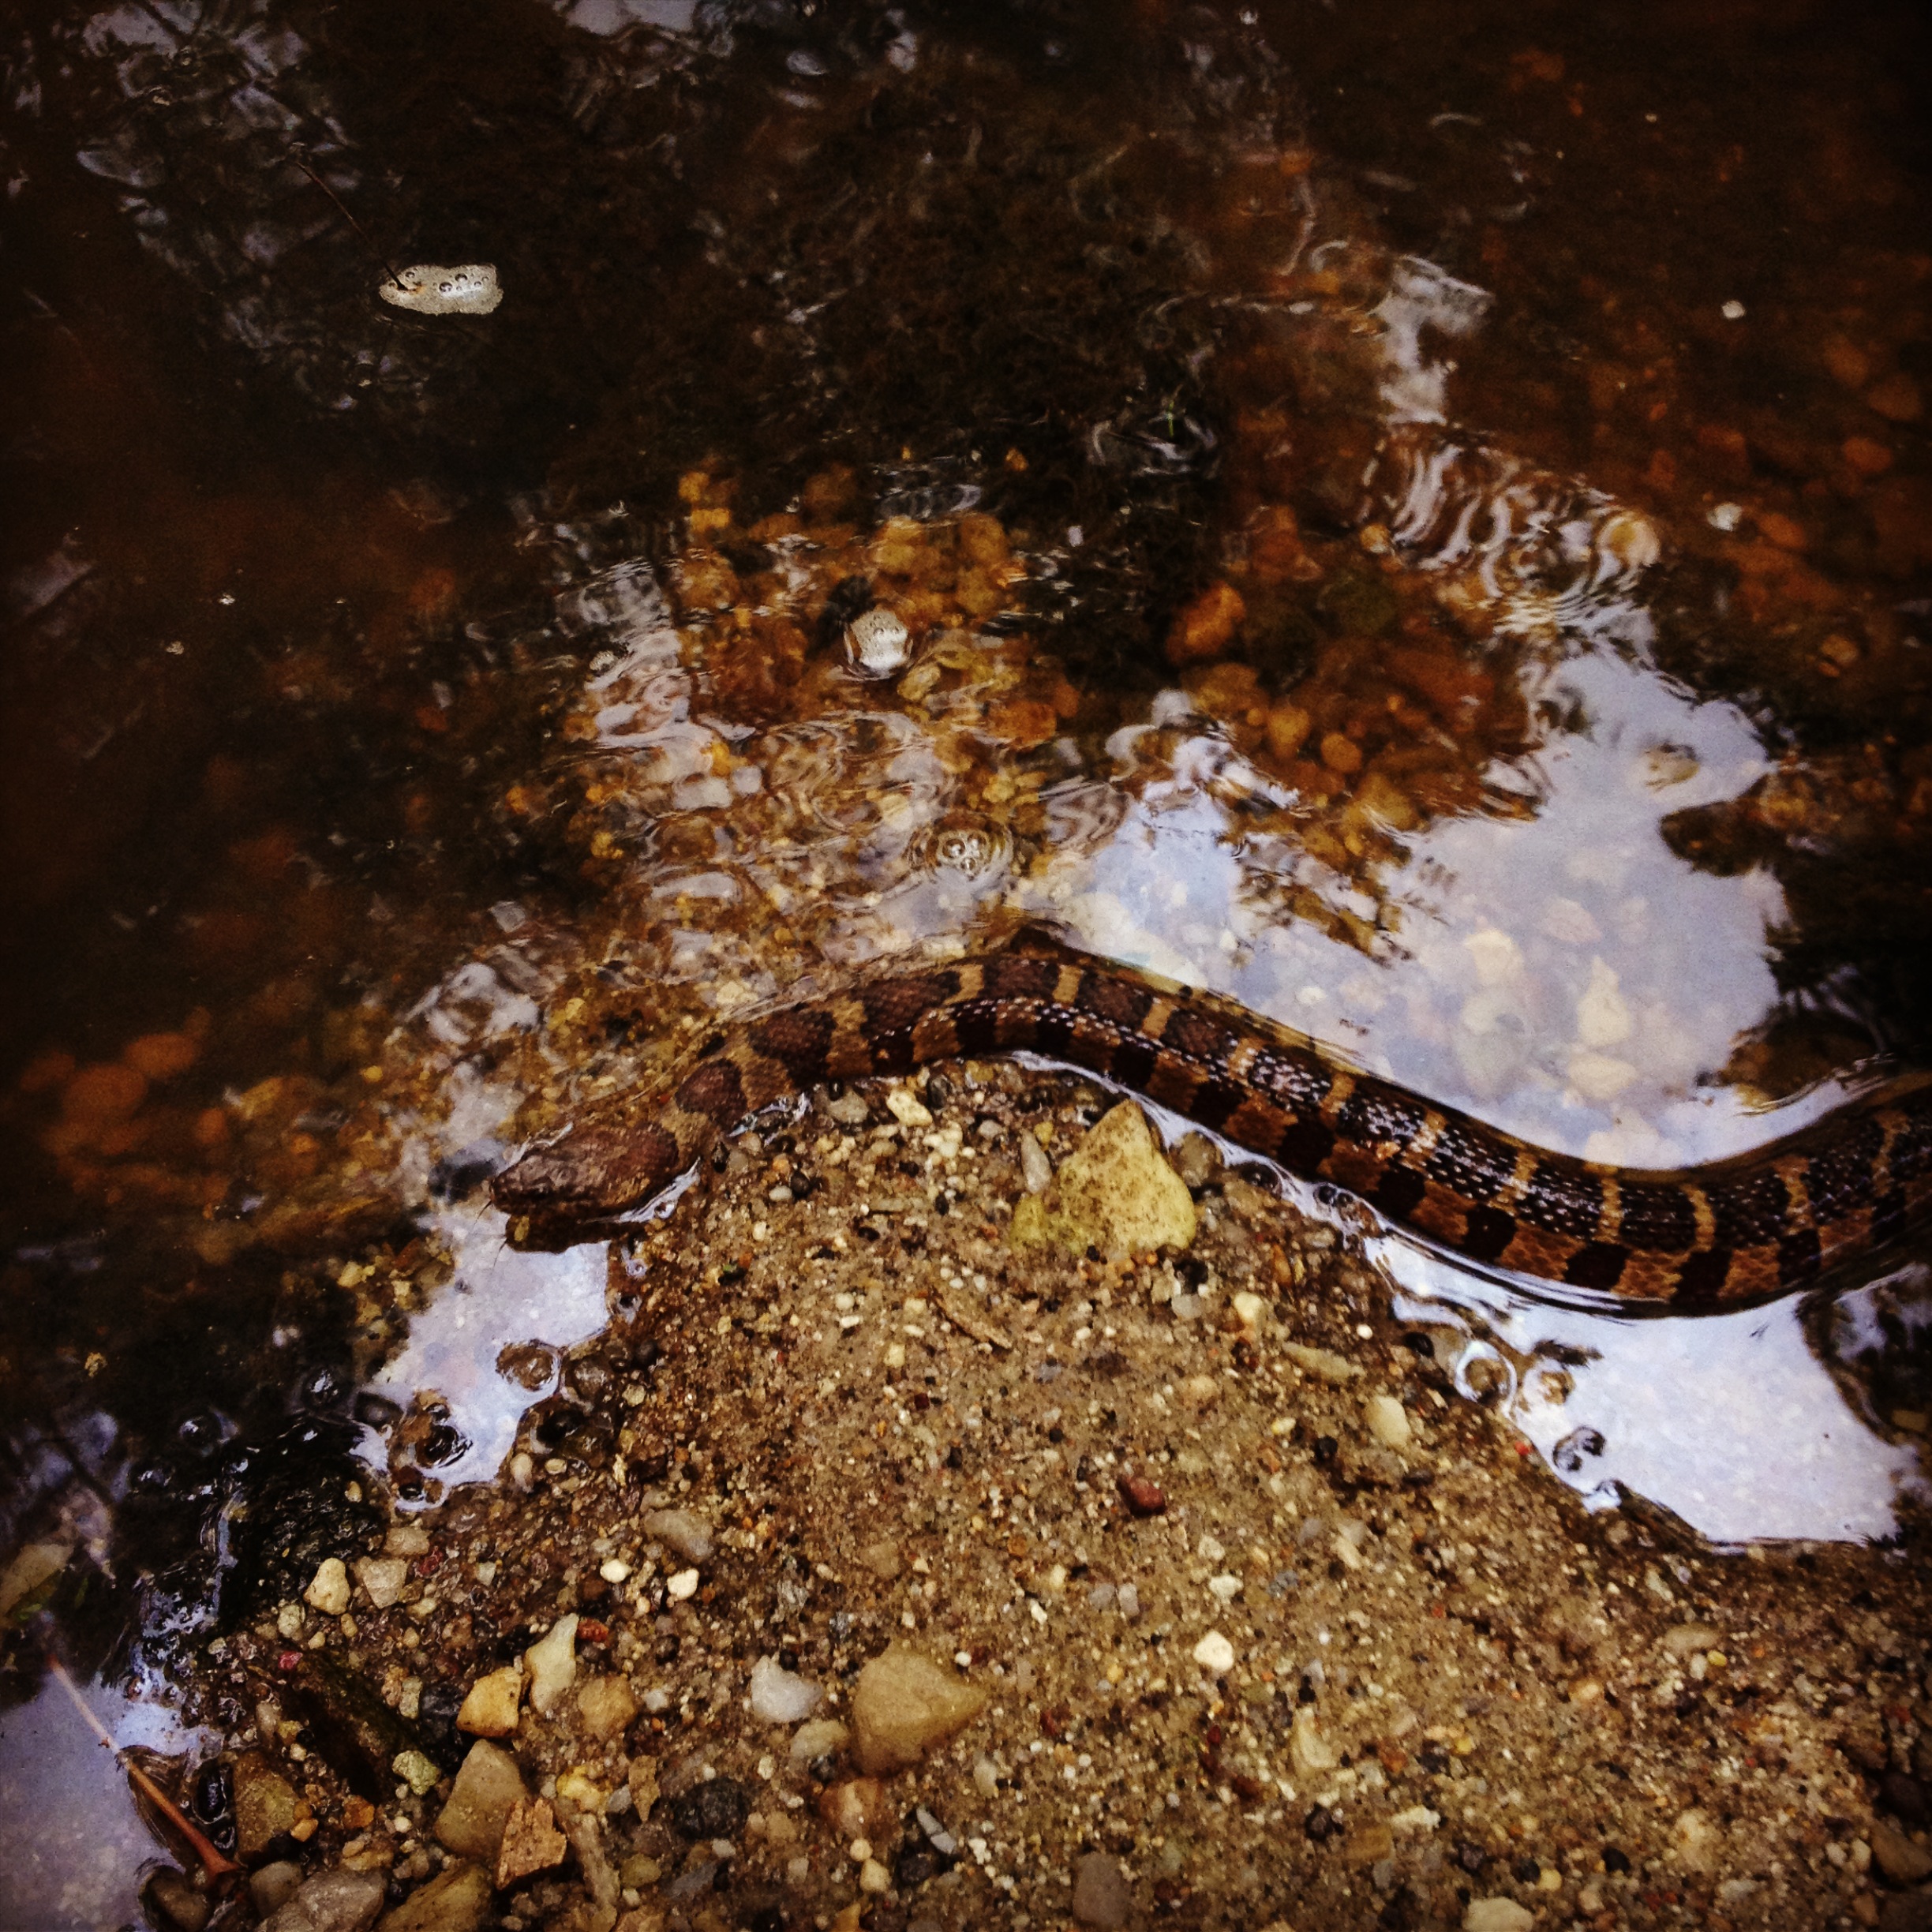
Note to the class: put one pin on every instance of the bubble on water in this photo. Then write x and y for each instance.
(1483, 1372)
(879, 643)
(426, 290)
(963, 845)
(1572, 1454)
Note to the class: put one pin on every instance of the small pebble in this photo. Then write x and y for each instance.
(1904, 1860)
(686, 1535)
(490, 1708)
(1387, 1420)
(1035, 1169)
(780, 1697)
(551, 1662)
(1214, 1654)
(820, 1739)
(382, 1578)
(472, 289)
(1497, 1914)
(273, 1886)
(1100, 1894)
(331, 1901)
(902, 1704)
(328, 1591)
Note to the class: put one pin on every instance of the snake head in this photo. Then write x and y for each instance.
(568, 1188)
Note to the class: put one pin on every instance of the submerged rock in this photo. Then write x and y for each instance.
(266, 1806)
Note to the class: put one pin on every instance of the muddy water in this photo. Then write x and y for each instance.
(1422, 528)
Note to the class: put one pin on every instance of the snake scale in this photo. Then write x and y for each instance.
(1751, 1226)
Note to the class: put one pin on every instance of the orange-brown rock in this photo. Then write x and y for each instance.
(531, 1842)
(1206, 627)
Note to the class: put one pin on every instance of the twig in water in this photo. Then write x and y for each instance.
(214, 1862)
(301, 161)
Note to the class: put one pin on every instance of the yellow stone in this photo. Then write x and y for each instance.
(1115, 1192)
(902, 1704)
(490, 1709)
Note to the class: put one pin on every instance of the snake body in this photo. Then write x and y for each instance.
(1769, 1221)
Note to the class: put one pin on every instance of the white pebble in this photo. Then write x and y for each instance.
(1214, 1654)
(1388, 1421)
(688, 1535)
(1496, 1915)
(1565, 920)
(1495, 955)
(780, 1697)
(907, 1108)
(551, 1662)
(382, 1577)
(682, 1586)
(1733, 311)
(615, 1571)
(1035, 1169)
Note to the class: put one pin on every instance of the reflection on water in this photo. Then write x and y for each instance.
(73, 1867)
(1730, 1422)
(1359, 524)
(485, 1348)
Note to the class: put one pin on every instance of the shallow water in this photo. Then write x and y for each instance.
(408, 714)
